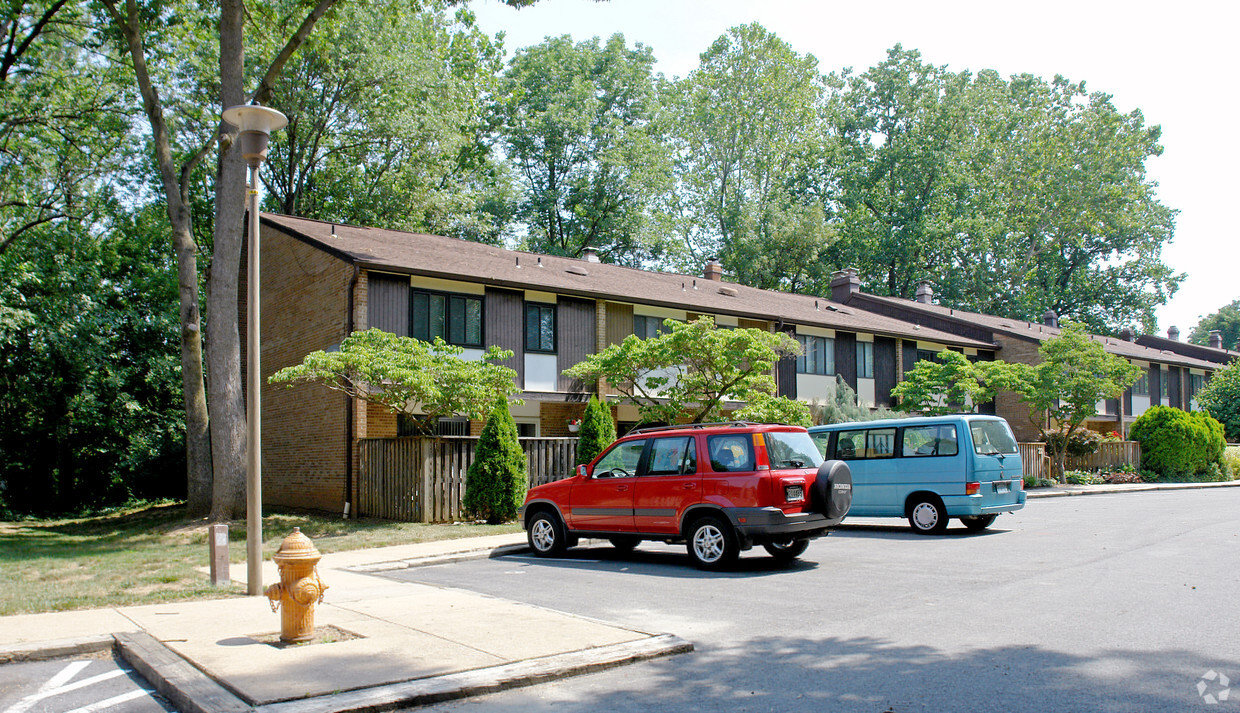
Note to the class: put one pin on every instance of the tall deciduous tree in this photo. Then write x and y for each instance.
(691, 370)
(1226, 320)
(575, 121)
(950, 384)
(746, 129)
(386, 125)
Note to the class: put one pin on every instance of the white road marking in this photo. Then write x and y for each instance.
(113, 701)
(56, 685)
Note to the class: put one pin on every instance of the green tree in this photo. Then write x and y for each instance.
(1063, 389)
(1221, 398)
(764, 408)
(745, 126)
(1226, 320)
(404, 374)
(950, 383)
(386, 125)
(496, 481)
(598, 430)
(691, 370)
(575, 121)
(843, 406)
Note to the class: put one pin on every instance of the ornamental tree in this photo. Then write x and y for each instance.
(691, 370)
(597, 431)
(496, 481)
(945, 386)
(1221, 399)
(1064, 389)
(408, 375)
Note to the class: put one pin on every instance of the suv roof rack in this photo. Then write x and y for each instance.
(683, 426)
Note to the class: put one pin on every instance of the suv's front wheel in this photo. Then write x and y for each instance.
(712, 544)
(546, 535)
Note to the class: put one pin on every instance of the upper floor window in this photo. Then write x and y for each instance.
(1164, 384)
(865, 360)
(648, 327)
(457, 319)
(926, 355)
(539, 327)
(818, 355)
(1197, 382)
(1142, 387)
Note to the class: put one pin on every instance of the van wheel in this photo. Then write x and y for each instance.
(546, 535)
(624, 544)
(927, 516)
(979, 522)
(786, 550)
(711, 543)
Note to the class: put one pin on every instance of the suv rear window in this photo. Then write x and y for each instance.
(730, 453)
(787, 449)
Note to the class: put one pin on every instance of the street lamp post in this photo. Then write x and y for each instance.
(256, 124)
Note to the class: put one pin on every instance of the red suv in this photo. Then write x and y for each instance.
(718, 487)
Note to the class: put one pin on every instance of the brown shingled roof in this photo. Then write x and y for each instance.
(451, 258)
(1041, 332)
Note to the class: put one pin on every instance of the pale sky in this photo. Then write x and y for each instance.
(1168, 59)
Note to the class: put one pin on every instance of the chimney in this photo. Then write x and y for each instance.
(1127, 334)
(713, 270)
(844, 283)
(1050, 319)
(925, 292)
(590, 254)
(1216, 339)
(1173, 333)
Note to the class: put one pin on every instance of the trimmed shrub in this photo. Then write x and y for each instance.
(597, 431)
(496, 482)
(1210, 437)
(1083, 442)
(1179, 445)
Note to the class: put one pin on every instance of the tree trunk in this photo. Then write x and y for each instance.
(228, 425)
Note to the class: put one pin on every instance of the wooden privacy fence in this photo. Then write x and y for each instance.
(1111, 454)
(420, 479)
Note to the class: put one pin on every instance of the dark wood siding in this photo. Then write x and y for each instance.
(1155, 386)
(1128, 401)
(504, 325)
(388, 306)
(846, 357)
(574, 340)
(786, 371)
(1173, 388)
(619, 322)
(910, 355)
(884, 370)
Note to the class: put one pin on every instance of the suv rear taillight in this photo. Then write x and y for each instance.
(972, 488)
(760, 458)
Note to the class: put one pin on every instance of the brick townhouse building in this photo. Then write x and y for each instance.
(1173, 371)
(323, 281)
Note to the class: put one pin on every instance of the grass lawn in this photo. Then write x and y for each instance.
(148, 554)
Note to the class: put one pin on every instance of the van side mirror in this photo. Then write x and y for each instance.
(581, 470)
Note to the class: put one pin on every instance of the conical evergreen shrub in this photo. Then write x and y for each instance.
(597, 431)
(496, 482)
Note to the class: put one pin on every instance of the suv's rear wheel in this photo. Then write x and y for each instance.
(546, 534)
(786, 550)
(712, 544)
(927, 516)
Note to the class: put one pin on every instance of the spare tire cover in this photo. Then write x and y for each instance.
(833, 489)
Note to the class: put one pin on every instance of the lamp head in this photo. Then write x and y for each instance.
(256, 124)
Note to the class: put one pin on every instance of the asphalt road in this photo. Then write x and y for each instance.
(84, 684)
(1101, 603)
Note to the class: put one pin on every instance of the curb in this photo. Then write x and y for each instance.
(448, 558)
(1104, 490)
(188, 689)
(59, 648)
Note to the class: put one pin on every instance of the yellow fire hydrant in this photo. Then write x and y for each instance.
(299, 587)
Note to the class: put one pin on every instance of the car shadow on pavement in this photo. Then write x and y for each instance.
(665, 563)
(902, 532)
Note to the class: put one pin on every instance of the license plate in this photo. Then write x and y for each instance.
(1003, 487)
(794, 493)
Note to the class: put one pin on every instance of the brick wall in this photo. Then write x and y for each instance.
(1007, 404)
(380, 422)
(554, 415)
(304, 305)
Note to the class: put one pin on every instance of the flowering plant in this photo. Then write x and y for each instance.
(574, 422)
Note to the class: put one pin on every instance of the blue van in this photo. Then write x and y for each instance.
(929, 469)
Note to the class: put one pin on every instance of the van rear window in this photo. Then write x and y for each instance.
(937, 440)
(992, 438)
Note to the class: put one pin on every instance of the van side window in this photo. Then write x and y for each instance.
(850, 445)
(871, 443)
(823, 441)
(937, 440)
(730, 454)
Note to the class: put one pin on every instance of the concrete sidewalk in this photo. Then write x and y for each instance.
(415, 643)
(1060, 491)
